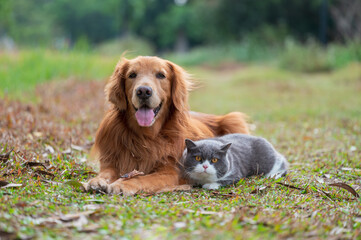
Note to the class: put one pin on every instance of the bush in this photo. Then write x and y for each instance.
(309, 58)
(340, 55)
(245, 51)
(312, 57)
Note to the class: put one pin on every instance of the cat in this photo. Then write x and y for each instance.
(222, 161)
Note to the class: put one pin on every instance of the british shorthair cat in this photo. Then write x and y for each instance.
(222, 161)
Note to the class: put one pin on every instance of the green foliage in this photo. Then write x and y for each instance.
(131, 44)
(341, 55)
(28, 22)
(162, 22)
(312, 57)
(82, 44)
(20, 72)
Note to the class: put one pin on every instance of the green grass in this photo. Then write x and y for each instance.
(314, 58)
(312, 118)
(290, 55)
(22, 71)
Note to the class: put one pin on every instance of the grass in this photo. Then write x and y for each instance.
(20, 72)
(312, 118)
(289, 55)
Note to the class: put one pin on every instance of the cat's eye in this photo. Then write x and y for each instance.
(198, 158)
(214, 160)
(133, 75)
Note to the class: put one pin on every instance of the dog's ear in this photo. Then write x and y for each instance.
(180, 87)
(115, 88)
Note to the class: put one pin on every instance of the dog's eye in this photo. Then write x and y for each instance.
(198, 158)
(214, 160)
(132, 75)
(160, 75)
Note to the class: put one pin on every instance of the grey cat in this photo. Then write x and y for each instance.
(222, 161)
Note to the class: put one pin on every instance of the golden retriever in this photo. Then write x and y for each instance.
(146, 126)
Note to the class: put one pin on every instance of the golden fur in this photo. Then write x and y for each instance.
(122, 145)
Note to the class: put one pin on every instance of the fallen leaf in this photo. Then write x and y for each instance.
(352, 149)
(33, 164)
(69, 220)
(289, 186)
(350, 169)
(4, 184)
(51, 182)
(76, 184)
(21, 204)
(230, 194)
(307, 138)
(326, 194)
(179, 225)
(259, 189)
(89, 229)
(94, 200)
(38, 134)
(67, 151)
(346, 187)
(50, 149)
(42, 172)
(78, 148)
(5, 157)
(74, 216)
(132, 174)
(328, 176)
(320, 180)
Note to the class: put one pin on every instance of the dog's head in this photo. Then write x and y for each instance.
(146, 87)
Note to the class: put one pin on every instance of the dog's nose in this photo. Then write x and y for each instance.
(205, 166)
(144, 92)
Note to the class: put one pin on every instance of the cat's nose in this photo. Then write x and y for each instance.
(205, 166)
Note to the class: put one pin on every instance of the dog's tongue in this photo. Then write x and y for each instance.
(144, 116)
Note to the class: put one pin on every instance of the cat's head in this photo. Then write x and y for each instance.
(205, 158)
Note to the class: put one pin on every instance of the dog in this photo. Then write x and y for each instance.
(146, 125)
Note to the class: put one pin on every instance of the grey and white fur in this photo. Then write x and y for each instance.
(238, 156)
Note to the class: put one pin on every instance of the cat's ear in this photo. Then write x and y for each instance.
(190, 144)
(225, 147)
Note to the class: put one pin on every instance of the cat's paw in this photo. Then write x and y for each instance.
(211, 185)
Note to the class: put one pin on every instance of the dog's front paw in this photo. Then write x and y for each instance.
(121, 186)
(97, 184)
(211, 186)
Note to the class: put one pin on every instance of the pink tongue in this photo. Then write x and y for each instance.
(144, 116)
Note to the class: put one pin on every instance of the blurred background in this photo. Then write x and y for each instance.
(85, 38)
(242, 30)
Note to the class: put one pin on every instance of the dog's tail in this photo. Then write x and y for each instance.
(234, 122)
